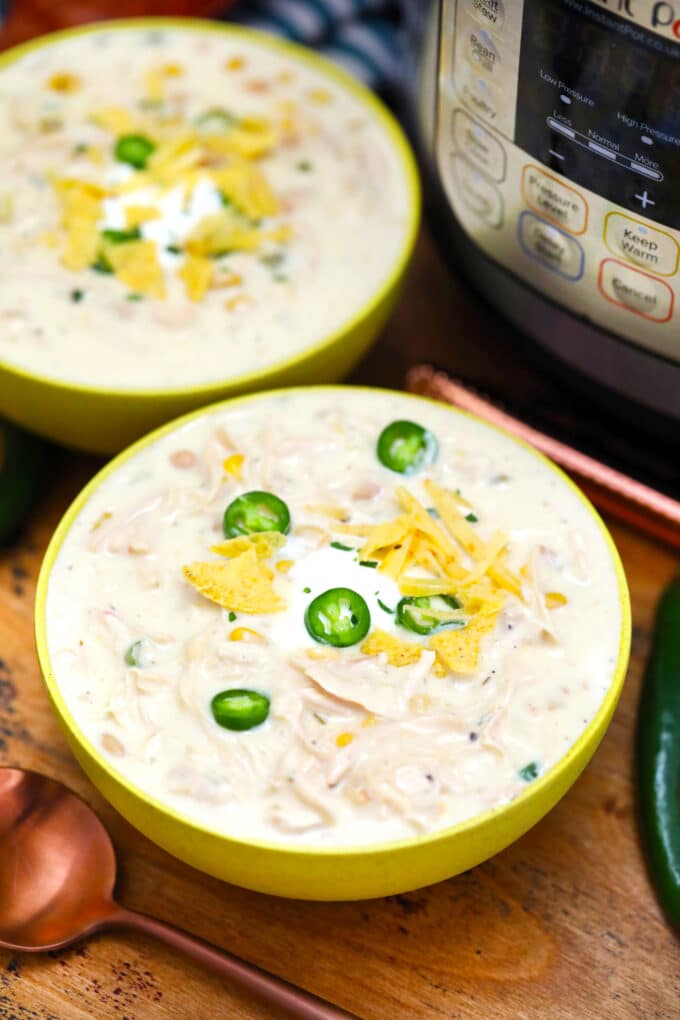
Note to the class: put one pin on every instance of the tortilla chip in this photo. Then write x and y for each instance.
(242, 584)
(399, 653)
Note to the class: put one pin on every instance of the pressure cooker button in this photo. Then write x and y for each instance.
(638, 292)
(479, 145)
(490, 13)
(641, 244)
(477, 192)
(480, 96)
(482, 53)
(555, 201)
(550, 246)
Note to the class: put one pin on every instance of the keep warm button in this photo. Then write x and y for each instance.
(642, 244)
(636, 291)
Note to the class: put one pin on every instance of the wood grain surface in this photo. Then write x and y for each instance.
(561, 926)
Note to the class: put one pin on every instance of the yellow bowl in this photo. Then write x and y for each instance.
(346, 872)
(101, 419)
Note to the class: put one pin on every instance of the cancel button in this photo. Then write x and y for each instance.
(636, 291)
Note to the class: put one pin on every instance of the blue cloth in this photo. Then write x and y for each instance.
(366, 37)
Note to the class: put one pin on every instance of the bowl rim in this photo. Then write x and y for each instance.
(296, 51)
(534, 790)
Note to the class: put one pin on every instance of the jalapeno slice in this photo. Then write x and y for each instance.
(134, 149)
(338, 617)
(239, 709)
(406, 447)
(256, 511)
(425, 614)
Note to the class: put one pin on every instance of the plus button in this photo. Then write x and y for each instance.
(644, 199)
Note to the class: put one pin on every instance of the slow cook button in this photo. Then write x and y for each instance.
(557, 202)
(487, 12)
(479, 145)
(478, 192)
(636, 291)
(637, 242)
(551, 246)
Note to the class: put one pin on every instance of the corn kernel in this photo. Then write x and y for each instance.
(555, 599)
(283, 566)
(233, 465)
(246, 634)
(64, 81)
(343, 739)
(235, 64)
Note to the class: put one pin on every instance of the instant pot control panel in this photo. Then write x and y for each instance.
(558, 146)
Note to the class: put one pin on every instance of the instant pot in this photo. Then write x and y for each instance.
(552, 138)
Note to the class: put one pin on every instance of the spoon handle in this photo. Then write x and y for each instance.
(269, 988)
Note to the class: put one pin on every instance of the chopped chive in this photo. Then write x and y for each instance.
(173, 249)
(80, 148)
(135, 297)
(385, 608)
(281, 278)
(368, 563)
(77, 295)
(529, 772)
(232, 616)
(307, 591)
(225, 200)
(121, 236)
(134, 653)
(433, 512)
(339, 545)
(472, 518)
(304, 166)
(102, 265)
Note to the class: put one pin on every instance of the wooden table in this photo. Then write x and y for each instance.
(561, 926)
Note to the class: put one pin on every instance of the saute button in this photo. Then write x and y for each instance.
(556, 201)
(637, 242)
(638, 292)
(478, 192)
(550, 246)
(479, 145)
(487, 12)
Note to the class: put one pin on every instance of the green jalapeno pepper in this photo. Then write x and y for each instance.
(658, 755)
(406, 447)
(425, 614)
(23, 463)
(256, 511)
(239, 709)
(338, 617)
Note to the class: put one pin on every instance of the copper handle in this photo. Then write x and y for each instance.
(269, 988)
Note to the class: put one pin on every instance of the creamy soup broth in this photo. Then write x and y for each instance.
(397, 734)
(270, 208)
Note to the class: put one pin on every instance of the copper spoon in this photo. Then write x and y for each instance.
(57, 874)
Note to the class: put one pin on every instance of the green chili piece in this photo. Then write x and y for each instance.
(425, 614)
(472, 518)
(239, 709)
(343, 548)
(133, 655)
(256, 511)
(338, 617)
(529, 772)
(405, 447)
(216, 119)
(134, 149)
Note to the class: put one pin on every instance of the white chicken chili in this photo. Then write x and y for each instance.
(333, 617)
(179, 206)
